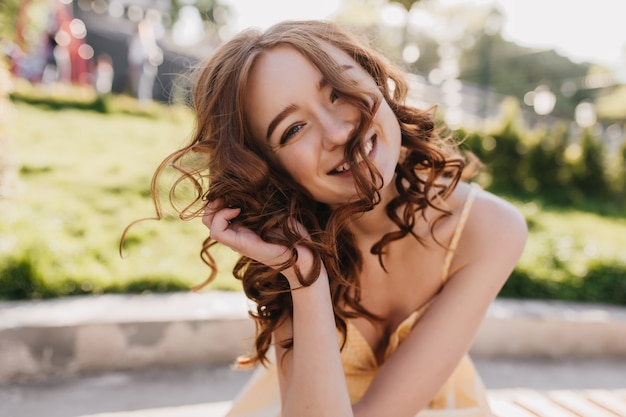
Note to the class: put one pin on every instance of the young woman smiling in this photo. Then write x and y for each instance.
(370, 260)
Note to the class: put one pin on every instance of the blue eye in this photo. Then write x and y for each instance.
(290, 132)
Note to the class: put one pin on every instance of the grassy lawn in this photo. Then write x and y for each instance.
(85, 175)
(570, 239)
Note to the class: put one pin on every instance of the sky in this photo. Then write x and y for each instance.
(580, 29)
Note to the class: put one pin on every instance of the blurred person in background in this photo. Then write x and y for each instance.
(103, 74)
(144, 58)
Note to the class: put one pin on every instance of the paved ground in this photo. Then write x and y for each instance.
(188, 390)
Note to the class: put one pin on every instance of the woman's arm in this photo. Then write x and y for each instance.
(311, 375)
(312, 382)
(490, 246)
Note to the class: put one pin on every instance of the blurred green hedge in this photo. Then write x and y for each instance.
(557, 165)
(603, 282)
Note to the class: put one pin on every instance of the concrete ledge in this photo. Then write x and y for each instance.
(551, 329)
(113, 332)
(118, 332)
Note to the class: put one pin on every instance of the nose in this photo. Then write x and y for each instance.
(337, 129)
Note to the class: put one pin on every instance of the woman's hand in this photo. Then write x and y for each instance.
(223, 228)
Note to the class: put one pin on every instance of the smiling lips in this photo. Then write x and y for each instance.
(367, 148)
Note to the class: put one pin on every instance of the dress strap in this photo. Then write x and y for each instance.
(445, 270)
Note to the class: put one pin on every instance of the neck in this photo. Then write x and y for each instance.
(372, 225)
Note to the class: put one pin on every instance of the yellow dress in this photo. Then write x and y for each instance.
(462, 395)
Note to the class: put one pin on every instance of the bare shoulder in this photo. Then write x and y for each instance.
(492, 215)
(495, 228)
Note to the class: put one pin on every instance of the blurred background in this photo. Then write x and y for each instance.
(94, 93)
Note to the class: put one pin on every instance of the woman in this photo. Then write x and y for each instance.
(371, 263)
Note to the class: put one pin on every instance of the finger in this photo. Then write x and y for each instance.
(210, 208)
(243, 240)
(299, 227)
(219, 222)
(214, 205)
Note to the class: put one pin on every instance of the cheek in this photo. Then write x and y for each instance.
(393, 141)
(390, 124)
(297, 164)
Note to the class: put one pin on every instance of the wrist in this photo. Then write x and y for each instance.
(304, 265)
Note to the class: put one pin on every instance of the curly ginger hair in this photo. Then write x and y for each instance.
(224, 160)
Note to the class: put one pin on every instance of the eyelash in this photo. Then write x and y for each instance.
(334, 96)
(290, 132)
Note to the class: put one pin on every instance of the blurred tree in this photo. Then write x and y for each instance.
(9, 10)
(407, 3)
(492, 62)
(206, 8)
(198, 24)
(21, 21)
(589, 170)
(611, 104)
(544, 168)
(428, 59)
(515, 70)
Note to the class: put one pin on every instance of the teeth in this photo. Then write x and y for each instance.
(343, 168)
(367, 149)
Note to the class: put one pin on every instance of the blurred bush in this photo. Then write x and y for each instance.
(21, 278)
(603, 283)
(553, 164)
(67, 97)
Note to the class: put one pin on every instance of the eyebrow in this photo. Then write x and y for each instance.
(279, 118)
(323, 82)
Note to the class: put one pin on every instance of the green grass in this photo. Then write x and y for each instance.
(572, 237)
(85, 175)
(571, 255)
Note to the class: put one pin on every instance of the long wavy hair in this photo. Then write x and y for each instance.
(224, 160)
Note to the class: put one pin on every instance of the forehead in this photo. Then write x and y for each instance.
(276, 63)
(283, 76)
(281, 65)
